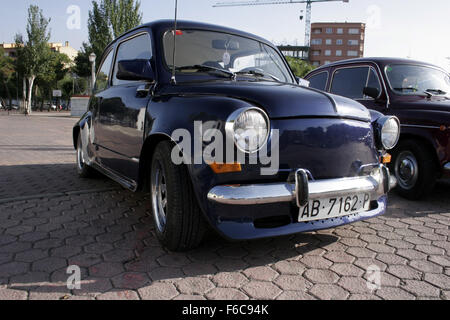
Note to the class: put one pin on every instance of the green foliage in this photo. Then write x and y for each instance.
(82, 65)
(300, 67)
(34, 54)
(108, 19)
(123, 15)
(99, 29)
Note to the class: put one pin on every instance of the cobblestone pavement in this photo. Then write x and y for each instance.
(50, 219)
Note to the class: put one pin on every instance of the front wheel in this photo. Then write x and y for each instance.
(415, 170)
(84, 171)
(179, 222)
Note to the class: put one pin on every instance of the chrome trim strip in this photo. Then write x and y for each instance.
(420, 126)
(286, 192)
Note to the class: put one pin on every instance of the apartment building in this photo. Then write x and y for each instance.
(336, 41)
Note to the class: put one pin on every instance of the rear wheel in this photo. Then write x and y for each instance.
(84, 171)
(415, 170)
(179, 222)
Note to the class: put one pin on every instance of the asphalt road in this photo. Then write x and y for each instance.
(50, 219)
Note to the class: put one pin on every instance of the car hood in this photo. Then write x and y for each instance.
(279, 100)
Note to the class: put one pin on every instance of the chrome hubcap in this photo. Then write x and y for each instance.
(407, 170)
(159, 196)
(80, 157)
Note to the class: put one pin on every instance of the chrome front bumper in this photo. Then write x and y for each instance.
(377, 184)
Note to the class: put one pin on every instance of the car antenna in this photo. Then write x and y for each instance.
(174, 80)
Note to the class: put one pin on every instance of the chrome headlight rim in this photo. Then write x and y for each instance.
(231, 122)
(381, 122)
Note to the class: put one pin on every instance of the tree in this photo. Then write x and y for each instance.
(123, 15)
(6, 72)
(82, 65)
(99, 29)
(34, 54)
(300, 67)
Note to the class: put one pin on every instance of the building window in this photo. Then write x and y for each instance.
(317, 31)
(340, 31)
(329, 30)
(353, 31)
(352, 53)
(339, 42)
(328, 52)
(327, 62)
(339, 53)
(316, 41)
(316, 63)
(328, 42)
(353, 42)
(316, 53)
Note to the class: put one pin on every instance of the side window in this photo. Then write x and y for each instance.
(102, 80)
(319, 81)
(139, 47)
(374, 81)
(350, 82)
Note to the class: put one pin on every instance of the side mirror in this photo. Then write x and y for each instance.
(135, 70)
(371, 92)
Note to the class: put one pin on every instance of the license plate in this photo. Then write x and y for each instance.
(329, 208)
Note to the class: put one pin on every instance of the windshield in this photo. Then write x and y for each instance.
(224, 55)
(417, 80)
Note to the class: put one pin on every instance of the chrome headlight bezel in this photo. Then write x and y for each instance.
(381, 127)
(230, 128)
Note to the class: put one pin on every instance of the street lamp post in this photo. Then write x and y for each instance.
(92, 58)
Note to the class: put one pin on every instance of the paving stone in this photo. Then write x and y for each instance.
(229, 280)
(131, 280)
(13, 268)
(329, 292)
(421, 289)
(158, 291)
(387, 293)
(119, 295)
(321, 276)
(226, 294)
(49, 264)
(294, 283)
(261, 273)
(262, 290)
(12, 295)
(194, 285)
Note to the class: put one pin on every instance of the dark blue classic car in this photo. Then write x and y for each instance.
(214, 125)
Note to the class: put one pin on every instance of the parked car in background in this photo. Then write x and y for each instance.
(239, 86)
(418, 94)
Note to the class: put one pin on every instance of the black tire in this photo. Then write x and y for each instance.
(84, 171)
(417, 183)
(179, 225)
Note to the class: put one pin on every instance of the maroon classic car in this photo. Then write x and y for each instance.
(418, 94)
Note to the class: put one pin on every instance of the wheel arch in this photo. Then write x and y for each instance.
(425, 142)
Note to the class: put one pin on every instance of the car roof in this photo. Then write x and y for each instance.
(163, 25)
(381, 61)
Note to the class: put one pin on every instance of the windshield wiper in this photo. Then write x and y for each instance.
(200, 67)
(436, 91)
(406, 89)
(258, 74)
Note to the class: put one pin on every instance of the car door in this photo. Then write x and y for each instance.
(350, 81)
(123, 110)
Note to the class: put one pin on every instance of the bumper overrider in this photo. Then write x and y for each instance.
(238, 208)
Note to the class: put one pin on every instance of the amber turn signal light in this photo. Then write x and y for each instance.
(387, 158)
(219, 168)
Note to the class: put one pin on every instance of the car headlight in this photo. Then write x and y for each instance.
(388, 132)
(249, 128)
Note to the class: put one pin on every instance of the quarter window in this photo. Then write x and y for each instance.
(319, 81)
(350, 82)
(102, 80)
(139, 47)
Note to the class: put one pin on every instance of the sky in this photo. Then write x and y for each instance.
(395, 28)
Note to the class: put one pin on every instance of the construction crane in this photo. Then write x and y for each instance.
(267, 2)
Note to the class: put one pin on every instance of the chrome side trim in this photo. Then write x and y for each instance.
(419, 126)
(286, 192)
